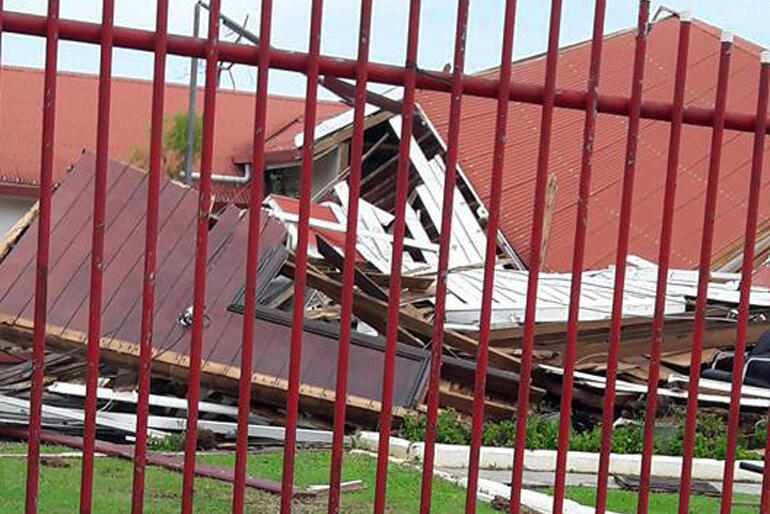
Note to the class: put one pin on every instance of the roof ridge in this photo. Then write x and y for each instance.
(741, 42)
(568, 47)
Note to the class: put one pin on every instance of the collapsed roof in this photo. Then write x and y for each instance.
(68, 291)
(476, 140)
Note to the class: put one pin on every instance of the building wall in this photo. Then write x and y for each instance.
(11, 209)
(325, 170)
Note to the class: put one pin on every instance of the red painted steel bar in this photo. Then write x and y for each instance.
(750, 240)
(300, 275)
(704, 268)
(664, 257)
(581, 226)
(348, 272)
(85, 32)
(97, 255)
(536, 239)
(624, 227)
(765, 499)
(150, 258)
(252, 256)
(498, 161)
(201, 258)
(450, 179)
(399, 232)
(43, 248)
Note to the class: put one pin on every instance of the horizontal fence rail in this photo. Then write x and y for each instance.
(185, 46)
(506, 90)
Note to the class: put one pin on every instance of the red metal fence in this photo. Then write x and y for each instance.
(505, 90)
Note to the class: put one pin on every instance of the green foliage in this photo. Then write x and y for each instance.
(502, 434)
(175, 142)
(174, 146)
(450, 429)
(175, 135)
(174, 442)
(759, 434)
(627, 438)
(543, 434)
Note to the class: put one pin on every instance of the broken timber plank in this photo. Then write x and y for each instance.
(214, 375)
(338, 261)
(17, 229)
(371, 311)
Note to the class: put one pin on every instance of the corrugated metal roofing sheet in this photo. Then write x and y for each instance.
(476, 145)
(69, 274)
(76, 110)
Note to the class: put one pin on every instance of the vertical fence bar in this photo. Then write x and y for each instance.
(399, 232)
(348, 272)
(535, 255)
(664, 256)
(450, 179)
(765, 498)
(750, 239)
(496, 186)
(704, 272)
(201, 257)
(97, 255)
(43, 248)
(300, 274)
(150, 256)
(192, 102)
(252, 256)
(624, 226)
(581, 226)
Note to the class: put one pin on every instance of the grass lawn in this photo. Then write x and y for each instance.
(625, 501)
(59, 486)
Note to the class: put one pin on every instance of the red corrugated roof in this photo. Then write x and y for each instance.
(21, 96)
(476, 146)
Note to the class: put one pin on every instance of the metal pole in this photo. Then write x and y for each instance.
(150, 256)
(189, 157)
(201, 259)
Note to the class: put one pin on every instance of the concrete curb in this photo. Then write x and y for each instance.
(457, 456)
(487, 490)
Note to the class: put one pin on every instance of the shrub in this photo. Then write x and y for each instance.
(174, 442)
(450, 428)
(759, 434)
(543, 434)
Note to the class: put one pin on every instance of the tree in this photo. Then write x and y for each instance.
(174, 146)
(175, 143)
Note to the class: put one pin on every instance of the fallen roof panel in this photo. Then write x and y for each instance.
(123, 269)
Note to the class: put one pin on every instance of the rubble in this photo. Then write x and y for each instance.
(68, 293)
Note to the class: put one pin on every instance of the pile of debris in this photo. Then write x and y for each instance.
(68, 293)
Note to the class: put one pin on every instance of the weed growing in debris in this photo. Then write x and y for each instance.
(759, 435)
(170, 443)
(543, 434)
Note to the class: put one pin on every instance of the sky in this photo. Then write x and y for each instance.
(747, 18)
